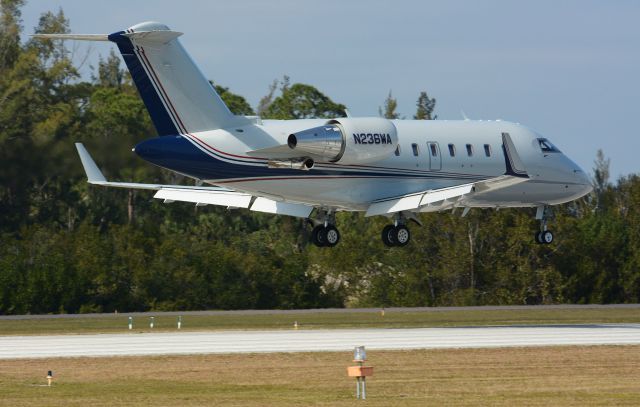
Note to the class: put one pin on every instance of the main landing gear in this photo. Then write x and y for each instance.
(398, 234)
(544, 236)
(325, 233)
(325, 236)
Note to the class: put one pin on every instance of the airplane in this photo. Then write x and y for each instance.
(314, 168)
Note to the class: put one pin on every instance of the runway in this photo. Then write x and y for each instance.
(175, 343)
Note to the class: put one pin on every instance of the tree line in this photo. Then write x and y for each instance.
(69, 247)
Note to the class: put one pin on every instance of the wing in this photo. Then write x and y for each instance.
(447, 198)
(200, 195)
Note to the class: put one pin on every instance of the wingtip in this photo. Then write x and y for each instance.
(94, 175)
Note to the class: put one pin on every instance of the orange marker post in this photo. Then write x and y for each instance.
(360, 372)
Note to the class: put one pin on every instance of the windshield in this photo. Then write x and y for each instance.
(547, 147)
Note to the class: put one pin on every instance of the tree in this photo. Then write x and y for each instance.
(300, 101)
(236, 103)
(9, 33)
(390, 106)
(109, 72)
(425, 108)
(601, 172)
(266, 100)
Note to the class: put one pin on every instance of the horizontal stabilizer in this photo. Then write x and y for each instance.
(81, 37)
(154, 36)
(142, 37)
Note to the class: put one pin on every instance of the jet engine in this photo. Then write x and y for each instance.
(347, 141)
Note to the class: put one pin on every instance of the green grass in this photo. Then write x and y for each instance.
(110, 323)
(540, 376)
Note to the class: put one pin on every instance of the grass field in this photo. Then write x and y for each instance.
(543, 376)
(313, 320)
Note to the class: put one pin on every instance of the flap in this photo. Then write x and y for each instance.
(281, 208)
(443, 197)
(222, 198)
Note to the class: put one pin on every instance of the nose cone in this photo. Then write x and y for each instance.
(575, 176)
(583, 180)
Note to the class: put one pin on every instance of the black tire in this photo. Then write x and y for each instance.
(387, 236)
(319, 236)
(546, 237)
(401, 235)
(538, 237)
(331, 236)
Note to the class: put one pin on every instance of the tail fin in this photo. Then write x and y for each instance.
(177, 95)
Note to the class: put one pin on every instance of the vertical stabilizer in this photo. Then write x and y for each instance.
(178, 96)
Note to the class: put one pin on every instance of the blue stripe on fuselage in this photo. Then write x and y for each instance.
(178, 154)
(159, 114)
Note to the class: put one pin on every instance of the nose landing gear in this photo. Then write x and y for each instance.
(544, 236)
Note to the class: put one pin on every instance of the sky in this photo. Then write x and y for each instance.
(568, 69)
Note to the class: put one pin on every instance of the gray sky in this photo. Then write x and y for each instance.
(568, 69)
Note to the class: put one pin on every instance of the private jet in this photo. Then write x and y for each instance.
(314, 168)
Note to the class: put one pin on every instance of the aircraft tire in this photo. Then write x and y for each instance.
(401, 235)
(546, 237)
(387, 236)
(331, 235)
(319, 236)
(538, 237)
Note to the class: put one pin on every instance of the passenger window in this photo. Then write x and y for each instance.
(398, 150)
(487, 150)
(469, 150)
(434, 151)
(452, 150)
(414, 147)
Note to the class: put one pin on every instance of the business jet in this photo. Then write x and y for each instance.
(314, 168)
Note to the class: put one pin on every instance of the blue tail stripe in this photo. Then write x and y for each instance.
(159, 115)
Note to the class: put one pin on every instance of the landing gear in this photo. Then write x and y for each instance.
(325, 234)
(387, 236)
(544, 236)
(396, 235)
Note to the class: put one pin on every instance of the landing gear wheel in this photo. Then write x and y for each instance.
(331, 235)
(319, 236)
(546, 237)
(538, 237)
(388, 236)
(401, 235)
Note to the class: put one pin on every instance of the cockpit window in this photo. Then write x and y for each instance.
(547, 147)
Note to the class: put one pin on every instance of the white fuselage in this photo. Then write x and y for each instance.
(554, 178)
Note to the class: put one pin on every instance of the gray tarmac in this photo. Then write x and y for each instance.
(180, 343)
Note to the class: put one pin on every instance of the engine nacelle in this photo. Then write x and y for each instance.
(347, 140)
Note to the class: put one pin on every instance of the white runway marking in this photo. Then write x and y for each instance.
(19, 347)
